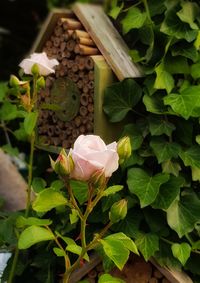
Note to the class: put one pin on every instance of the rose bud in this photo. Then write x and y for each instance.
(40, 83)
(14, 81)
(63, 164)
(98, 179)
(35, 69)
(118, 211)
(124, 149)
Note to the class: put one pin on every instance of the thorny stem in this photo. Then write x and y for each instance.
(90, 206)
(14, 263)
(30, 174)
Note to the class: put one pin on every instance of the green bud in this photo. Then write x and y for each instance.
(98, 179)
(118, 211)
(124, 149)
(35, 69)
(41, 83)
(14, 81)
(63, 165)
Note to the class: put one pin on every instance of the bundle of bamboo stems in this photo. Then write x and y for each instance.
(73, 47)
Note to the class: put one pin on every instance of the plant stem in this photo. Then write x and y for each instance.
(30, 174)
(13, 267)
(73, 200)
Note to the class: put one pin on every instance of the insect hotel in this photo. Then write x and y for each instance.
(91, 55)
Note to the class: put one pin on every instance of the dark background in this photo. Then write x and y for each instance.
(20, 21)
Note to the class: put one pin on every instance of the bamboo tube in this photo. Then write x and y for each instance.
(85, 88)
(86, 50)
(75, 67)
(85, 41)
(80, 33)
(81, 74)
(49, 43)
(55, 141)
(68, 131)
(75, 133)
(56, 41)
(80, 84)
(82, 129)
(70, 74)
(71, 24)
(76, 49)
(83, 111)
(90, 108)
(91, 75)
(89, 63)
(50, 131)
(70, 14)
(91, 85)
(66, 144)
(84, 99)
(64, 62)
(70, 63)
(63, 46)
(77, 121)
(54, 119)
(89, 127)
(75, 78)
(90, 99)
(62, 136)
(90, 116)
(58, 30)
(70, 45)
(70, 32)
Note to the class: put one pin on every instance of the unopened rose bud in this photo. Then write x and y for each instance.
(63, 164)
(124, 149)
(35, 69)
(41, 83)
(98, 179)
(118, 211)
(14, 81)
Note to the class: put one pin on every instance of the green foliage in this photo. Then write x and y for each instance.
(163, 172)
(105, 278)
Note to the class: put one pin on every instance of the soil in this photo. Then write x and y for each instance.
(136, 270)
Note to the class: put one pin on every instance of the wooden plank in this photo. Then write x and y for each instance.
(103, 77)
(47, 28)
(107, 39)
(172, 274)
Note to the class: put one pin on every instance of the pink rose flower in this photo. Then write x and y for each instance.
(91, 154)
(45, 64)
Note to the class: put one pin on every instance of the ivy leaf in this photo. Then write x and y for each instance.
(187, 103)
(33, 235)
(116, 251)
(188, 13)
(164, 79)
(168, 193)
(105, 278)
(144, 186)
(120, 98)
(154, 104)
(191, 156)
(177, 65)
(80, 190)
(171, 167)
(8, 111)
(58, 252)
(38, 184)
(181, 252)
(127, 242)
(195, 71)
(48, 199)
(185, 50)
(135, 18)
(172, 26)
(22, 221)
(30, 122)
(112, 190)
(195, 173)
(183, 214)
(135, 135)
(159, 127)
(164, 150)
(147, 244)
(74, 216)
(73, 248)
(115, 11)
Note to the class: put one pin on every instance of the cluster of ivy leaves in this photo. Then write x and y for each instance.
(161, 114)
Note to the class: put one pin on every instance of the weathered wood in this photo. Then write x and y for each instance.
(107, 39)
(12, 185)
(48, 27)
(172, 274)
(103, 77)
